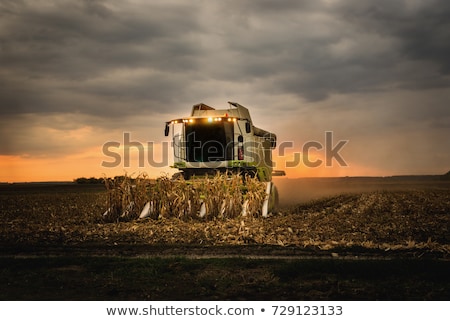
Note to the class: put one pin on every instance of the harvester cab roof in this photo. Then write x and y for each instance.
(221, 140)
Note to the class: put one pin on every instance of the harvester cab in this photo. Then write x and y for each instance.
(224, 140)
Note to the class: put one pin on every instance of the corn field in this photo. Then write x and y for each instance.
(415, 218)
(222, 196)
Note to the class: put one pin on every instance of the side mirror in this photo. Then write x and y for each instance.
(273, 141)
(166, 130)
(248, 127)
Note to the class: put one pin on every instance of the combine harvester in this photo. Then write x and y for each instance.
(224, 141)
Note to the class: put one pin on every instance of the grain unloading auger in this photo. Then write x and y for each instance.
(212, 141)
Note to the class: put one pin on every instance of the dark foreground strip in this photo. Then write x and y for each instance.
(201, 252)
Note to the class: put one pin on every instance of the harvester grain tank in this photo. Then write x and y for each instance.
(224, 140)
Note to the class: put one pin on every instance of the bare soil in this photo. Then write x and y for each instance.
(351, 239)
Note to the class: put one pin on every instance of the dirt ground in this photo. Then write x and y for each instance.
(341, 239)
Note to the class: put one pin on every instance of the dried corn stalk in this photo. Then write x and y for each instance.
(222, 196)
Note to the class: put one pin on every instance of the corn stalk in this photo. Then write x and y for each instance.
(222, 195)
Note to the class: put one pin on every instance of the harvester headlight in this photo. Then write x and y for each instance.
(210, 119)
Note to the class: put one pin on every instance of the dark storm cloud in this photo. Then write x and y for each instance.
(57, 49)
(110, 66)
(422, 27)
(67, 38)
(314, 49)
(49, 49)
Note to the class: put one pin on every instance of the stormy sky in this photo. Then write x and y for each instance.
(77, 74)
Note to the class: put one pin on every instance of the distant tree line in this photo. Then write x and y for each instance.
(94, 180)
(90, 180)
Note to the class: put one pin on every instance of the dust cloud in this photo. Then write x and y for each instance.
(300, 190)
